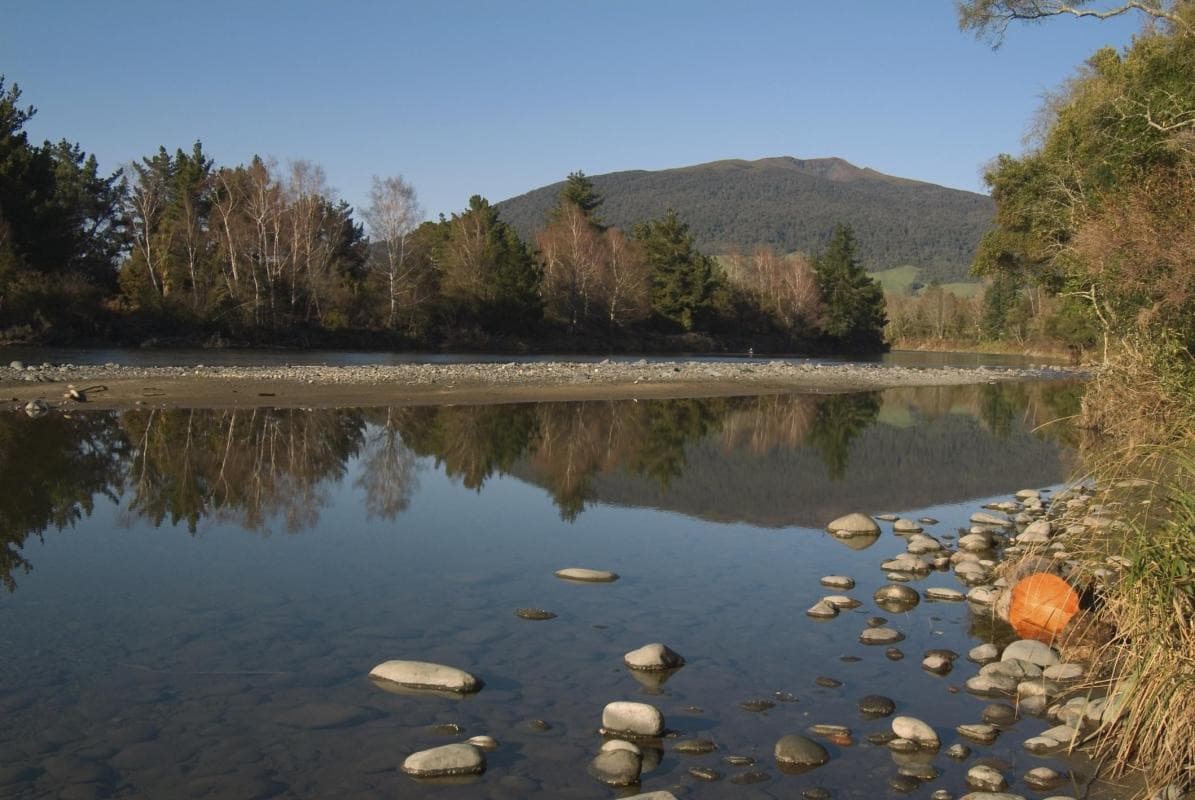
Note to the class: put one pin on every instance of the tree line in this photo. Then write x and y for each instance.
(177, 247)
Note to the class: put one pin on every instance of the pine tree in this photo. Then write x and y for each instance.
(854, 314)
(579, 191)
(683, 279)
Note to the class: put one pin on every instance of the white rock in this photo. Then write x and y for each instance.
(632, 719)
(586, 575)
(653, 657)
(621, 744)
(1028, 494)
(979, 731)
(986, 779)
(988, 685)
(483, 742)
(838, 582)
(906, 526)
(975, 542)
(841, 601)
(856, 523)
(983, 595)
(1063, 734)
(915, 730)
(425, 675)
(1031, 650)
(616, 767)
(984, 518)
(984, 653)
(944, 593)
(822, 610)
(450, 759)
(881, 636)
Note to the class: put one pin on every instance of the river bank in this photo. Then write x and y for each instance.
(112, 386)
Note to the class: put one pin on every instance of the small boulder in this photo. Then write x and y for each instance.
(1031, 650)
(838, 582)
(856, 524)
(895, 597)
(441, 762)
(986, 779)
(425, 675)
(586, 575)
(638, 720)
(619, 767)
(796, 750)
(653, 657)
(915, 730)
(880, 636)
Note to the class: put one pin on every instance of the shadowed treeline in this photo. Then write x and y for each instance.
(773, 460)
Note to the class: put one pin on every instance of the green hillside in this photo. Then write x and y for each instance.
(792, 204)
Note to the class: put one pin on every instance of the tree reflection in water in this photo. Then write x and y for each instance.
(267, 468)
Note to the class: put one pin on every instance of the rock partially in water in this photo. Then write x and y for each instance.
(841, 602)
(1043, 778)
(1031, 650)
(486, 743)
(638, 720)
(874, 706)
(985, 778)
(915, 730)
(757, 705)
(35, 409)
(821, 610)
(937, 664)
(706, 774)
(893, 654)
(991, 796)
(654, 657)
(16, 365)
(944, 593)
(616, 767)
(895, 597)
(586, 575)
(881, 636)
(534, 614)
(620, 744)
(906, 526)
(979, 732)
(903, 783)
(445, 761)
(994, 520)
(959, 752)
(856, 524)
(999, 714)
(983, 653)
(695, 747)
(838, 582)
(424, 675)
(991, 685)
(826, 682)
(983, 595)
(751, 776)
(657, 795)
(795, 750)
(739, 761)
(1064, 672)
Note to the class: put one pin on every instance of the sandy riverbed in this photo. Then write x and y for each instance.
(113, 386)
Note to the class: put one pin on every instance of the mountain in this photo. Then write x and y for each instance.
(792, 204)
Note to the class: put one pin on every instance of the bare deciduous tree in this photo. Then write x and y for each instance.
(392, 215)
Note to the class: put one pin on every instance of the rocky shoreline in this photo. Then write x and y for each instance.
(110, 386)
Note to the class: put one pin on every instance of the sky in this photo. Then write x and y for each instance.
(498, 98)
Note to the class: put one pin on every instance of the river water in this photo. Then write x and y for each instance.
(193, 599)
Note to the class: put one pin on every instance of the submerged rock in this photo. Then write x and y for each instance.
(881, 636)
(876, 705)
(986, 779)
(896, 597)
(534, 614)
(440, 762)
(426, 675)
(654, 657)
(693, 747)
(617, 767)
(35, 409)
(796, 750)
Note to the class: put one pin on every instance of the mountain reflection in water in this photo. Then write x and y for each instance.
(779, 460)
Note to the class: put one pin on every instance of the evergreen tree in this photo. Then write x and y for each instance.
(580, 191)
(683, 279)
(854, 314)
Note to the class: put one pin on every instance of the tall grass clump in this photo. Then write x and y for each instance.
(1142, 407)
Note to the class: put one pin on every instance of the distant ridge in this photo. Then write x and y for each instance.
(792, 204)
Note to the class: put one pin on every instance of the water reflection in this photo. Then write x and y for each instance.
(773, 461)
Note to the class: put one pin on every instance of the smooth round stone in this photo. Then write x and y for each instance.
(984, 518)
(16, 365)
(538, 725)
(800, 751)
(975, 542)
(893, 654)
(821, 610)
(705, 774)
(941, 794)
(959, 752)
(634, 719)
(887, 517)
(616, 767)
(986, 779)
(1039, 744)
(586, 575)
(988, 685)
(653, 657)
(656, 795)
(487, 743)
(694, 747)
(426, 675)
(534, 614)
(880, 738)
(895, 597)
(898, 744)
(1063, 734)
(1031, 650)
(939, 665)
(875, 622)
(983, 653)
(915, 730)
(1064, 672)
(999, 714)
(1043, 778)
(854, 524)
(881, 636)
(841, 601)
(928, 521)
(830, 731)
(838, 582)
(921, 770)
(874, 706)
(944, 593)
(620, 744)
(906, 526)
(979, 732)
(442, 762)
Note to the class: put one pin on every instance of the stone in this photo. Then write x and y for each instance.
(1031, 650)
(990, 685)
(1063, 734)
(705, 774)
(982, 595)
(739, 761)
(983, 653)
(939, 665)
(425, 675)
(984, 518)
(915, 730)
(944, 593)
(841, 601)
(586, 575)
(653, 657)
(887, 517)
(757, 705)
(881, 636)
(895, 597)
(35, 409)
(856, 524)
(693, 747)
(975, 542)
(838, 582)
(959, 752)
(876, 705)
(1064, 672)
(979, 732)
(483, 742)
(616, 767)
(751, 776)
(906, 526)
(440, 762)
(795, 750)
(827, 682)
(893, 654)
(1028, 494)
(990, 796)
(1043, 778)
(620, 744)
(903, 784)
(839, 732)
(919, 544)
(632, 719)
(999, 714)
(986, 779)
(1039, 744)
(821, 610)
(16, 365)
(534, 614)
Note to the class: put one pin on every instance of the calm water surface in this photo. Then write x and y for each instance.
(194, 599)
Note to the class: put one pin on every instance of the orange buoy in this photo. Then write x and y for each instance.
(1041, 606)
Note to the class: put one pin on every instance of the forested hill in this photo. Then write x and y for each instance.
(791, 204)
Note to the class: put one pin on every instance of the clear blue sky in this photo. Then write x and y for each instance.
(497, 98)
